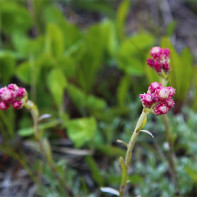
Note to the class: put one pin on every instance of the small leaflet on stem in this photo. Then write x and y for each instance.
(110, 190)
(122, 142)
(148, 132)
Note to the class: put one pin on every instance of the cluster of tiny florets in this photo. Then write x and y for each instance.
(12, 95)
(158, 98)
(160, 59)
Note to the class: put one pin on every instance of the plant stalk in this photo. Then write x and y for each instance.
(35, 116)
(125, 163)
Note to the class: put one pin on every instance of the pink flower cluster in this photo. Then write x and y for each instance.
(160, 59)
(158, 98)
(12, 95)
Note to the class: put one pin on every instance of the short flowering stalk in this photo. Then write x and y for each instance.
(162, 57)
(157, 100)
(17, 98)
(125, 163)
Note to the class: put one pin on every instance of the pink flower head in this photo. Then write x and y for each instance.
(161, 109)
(154, 86)
(6, 95)
(21, 93)
(4, 106)
(158, 98)
(147, 100)
(12, 95)
(17, 104)
(160, 59)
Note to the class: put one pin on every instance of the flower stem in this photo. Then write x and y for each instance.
(35, 116)
(125, 163)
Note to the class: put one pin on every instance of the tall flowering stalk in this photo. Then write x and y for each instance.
(160, 62)
(16, 97)
(158, 100)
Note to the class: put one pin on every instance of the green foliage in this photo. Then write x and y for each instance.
(88, 79)
(81, 130)
(181, 67)
(131, 56)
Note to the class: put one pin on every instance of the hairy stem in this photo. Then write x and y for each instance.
(126, 162)
(35, 116)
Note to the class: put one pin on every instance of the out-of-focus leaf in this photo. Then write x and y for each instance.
(121, 15)
(111, 150)
(95, 171)
(178, 64)
(84, 100)
(135, 179)
(71, 33)
(81, 130)
(25, 132)
(67, 64)
(7, 66)
(54, 43)
(57, 83)
(89, 58)
(14, 18)
(132, 53)
(123, 90)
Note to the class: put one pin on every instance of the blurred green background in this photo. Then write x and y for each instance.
(84, 63)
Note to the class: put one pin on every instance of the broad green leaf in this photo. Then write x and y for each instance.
(57, 83)
(89, 58)
(14, 18)
(132, 53)
(81, 130)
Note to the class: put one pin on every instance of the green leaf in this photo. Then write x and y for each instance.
(25, 132)
(85, 100)
(123, 90)
(14, 18)
(81, 130)
(132, 53)
(89, 58)
(122, 13)
(54, 40)
(111, 151)
(178, 70)
(7, 66)
(135, 179)
(57, 82)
